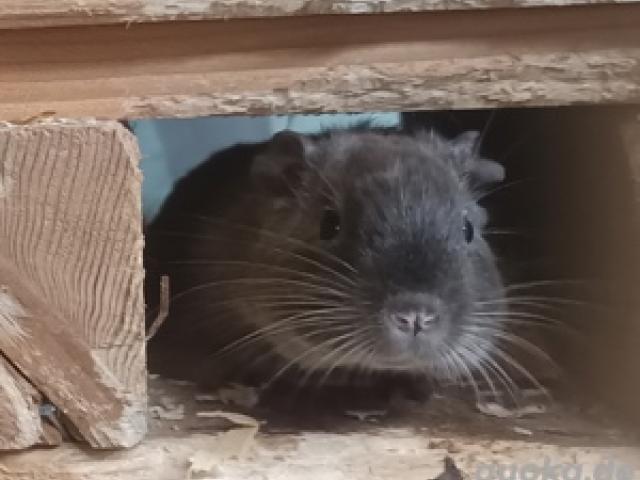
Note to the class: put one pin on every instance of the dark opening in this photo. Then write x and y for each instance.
(566, 223)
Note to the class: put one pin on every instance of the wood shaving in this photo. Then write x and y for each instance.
(522, 431)
(233, 394)
(237, 418)
(364, 415)
(496, 410)
(206, 397)
(159, 411)
(231, 445)
(533, 409)
(167, 403)
(203, 464)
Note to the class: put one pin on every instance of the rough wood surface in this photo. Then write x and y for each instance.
(45, 13)
(20, 423)
(386, 454)
(305, 64)
(408, 443)
(70, 263)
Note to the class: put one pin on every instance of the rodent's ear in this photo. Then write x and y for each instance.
(479, 171)
(466, 144)
(486, 171)
(279, 168)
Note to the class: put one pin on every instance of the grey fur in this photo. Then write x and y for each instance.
(294, 300)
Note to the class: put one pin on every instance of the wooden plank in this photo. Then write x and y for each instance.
(45, 13)
(385, 454)
(409, 443)
(26, 418)
(20, 423)
(305, 64)
(71, 260)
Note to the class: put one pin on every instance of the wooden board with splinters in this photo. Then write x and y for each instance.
(43, 13)
(20, 423)
(441, 60)
(376, 453)
(72, 319)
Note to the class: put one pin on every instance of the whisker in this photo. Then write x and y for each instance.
(296, 360)
(488, 317)
(516, 340)
(544, 283)
(259, 281)
(356, 345)
(542, 301)
(493, 231)
(487, 359)
(526, 373)
(348, 345)
(345, 281)
(462, 360)
(289, 323)
(277, 236)
(480, 363)
(485, 130)
(503, 186)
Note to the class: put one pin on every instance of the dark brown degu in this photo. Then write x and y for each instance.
(357, 251)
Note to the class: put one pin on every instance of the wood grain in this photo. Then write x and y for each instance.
(384, 454)
(45, 13)
(441, 60)
(70, 258)
(20, 423)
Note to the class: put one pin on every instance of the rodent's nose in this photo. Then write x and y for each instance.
(413, 322)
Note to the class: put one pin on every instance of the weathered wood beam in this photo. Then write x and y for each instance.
(526, 57)
(380, 454)
(45, 13)
(71, 271)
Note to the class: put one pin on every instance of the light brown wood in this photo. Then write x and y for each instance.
(20, 423)
(409, 444)
(71, 265)
(301, 64)
(388, 456)
(376, 454)
(45, 13)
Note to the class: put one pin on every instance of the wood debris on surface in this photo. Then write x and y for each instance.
(417, 61)
(235, 446)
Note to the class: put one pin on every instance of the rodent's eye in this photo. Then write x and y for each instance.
(467, 228)
(330, 225)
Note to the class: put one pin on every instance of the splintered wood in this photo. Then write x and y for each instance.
(71, 301)
(386, 454)
(350, 63)
(44, 13)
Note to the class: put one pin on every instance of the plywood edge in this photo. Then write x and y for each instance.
(39, 13)
(386, 454)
